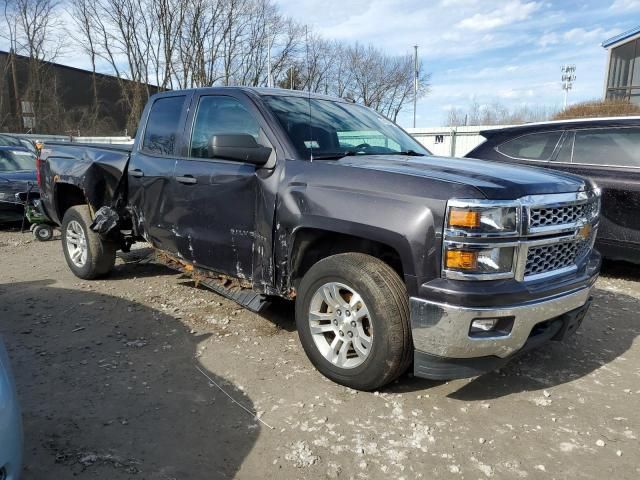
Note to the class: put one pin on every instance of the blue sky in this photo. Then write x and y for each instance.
(509, 51)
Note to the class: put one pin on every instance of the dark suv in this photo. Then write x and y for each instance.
(607, 150)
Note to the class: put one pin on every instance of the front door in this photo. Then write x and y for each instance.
(216, 199)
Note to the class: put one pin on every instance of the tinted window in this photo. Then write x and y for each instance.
(535, 146)
(162, 128)
(221, 115)
(608, 146)
(566, 150)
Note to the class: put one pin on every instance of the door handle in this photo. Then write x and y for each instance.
(187, 179)
(136, 172)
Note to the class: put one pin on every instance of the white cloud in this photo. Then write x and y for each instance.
(625, 5)
(510, 50)
(577, 36)
(549, 39)
(512, 12)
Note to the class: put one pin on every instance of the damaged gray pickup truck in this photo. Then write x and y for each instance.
(394, 257)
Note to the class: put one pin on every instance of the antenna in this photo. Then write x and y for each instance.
(415, 83)
(306, 36)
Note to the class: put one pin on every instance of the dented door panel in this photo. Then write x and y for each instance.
(214, 218)
(150, 199)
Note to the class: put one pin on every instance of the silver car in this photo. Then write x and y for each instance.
(10, 423)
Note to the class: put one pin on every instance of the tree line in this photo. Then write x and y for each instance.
(496, 113)
(195, 43)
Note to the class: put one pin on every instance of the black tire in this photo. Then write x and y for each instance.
(42, 232)
(101, 254)
(385, 295)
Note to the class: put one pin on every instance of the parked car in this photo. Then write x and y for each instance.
(607, 150)
(17, 176)
(10, 423)
(393, 256)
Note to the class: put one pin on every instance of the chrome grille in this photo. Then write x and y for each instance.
(553, 216)
(547, 258)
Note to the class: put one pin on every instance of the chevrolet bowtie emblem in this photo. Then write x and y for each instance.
(584, 232)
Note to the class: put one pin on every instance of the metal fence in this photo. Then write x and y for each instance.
(72, 139)
(451, 141)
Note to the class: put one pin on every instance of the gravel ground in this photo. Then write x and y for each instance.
(145, 376)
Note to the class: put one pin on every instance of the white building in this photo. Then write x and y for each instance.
(622, 81)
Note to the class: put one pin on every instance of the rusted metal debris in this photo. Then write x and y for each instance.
(200, 275)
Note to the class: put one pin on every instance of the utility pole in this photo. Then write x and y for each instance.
(291, 77)
(568, 77)
(16, 92)
(415, 83)
(269, 79)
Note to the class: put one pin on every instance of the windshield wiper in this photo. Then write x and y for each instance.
(412, 153)
(352, 153)
(408, 153)
(332, 155)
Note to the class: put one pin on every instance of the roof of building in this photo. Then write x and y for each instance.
(73, 69)
(621, 37)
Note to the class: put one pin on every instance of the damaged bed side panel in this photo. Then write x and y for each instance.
(96, 170)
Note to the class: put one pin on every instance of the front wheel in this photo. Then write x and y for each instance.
(352, 314)
(87, 254)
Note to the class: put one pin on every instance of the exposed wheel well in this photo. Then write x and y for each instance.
(312, 245)
(68, 196)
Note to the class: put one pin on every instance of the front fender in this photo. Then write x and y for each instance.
(404, 223)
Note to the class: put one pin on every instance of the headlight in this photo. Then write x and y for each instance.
(483, 220)
(498, 260)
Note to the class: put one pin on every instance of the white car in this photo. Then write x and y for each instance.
(10, 423)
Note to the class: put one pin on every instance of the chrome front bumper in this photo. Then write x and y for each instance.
(443, 330)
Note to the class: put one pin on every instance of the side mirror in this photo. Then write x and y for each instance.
(239, 147)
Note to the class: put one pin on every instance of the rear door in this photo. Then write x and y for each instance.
(611, 157)
(216, 200)
(536, 148)
(150, 172)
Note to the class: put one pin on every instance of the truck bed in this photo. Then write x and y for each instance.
(97, 170)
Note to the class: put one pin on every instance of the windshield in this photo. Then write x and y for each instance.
(16, 160)
(11, 141)
(336, 129)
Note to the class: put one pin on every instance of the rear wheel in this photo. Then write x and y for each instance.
(352, 315)
(87, 254)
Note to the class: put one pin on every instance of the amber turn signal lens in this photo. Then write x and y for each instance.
(462, 260)
(464, 218)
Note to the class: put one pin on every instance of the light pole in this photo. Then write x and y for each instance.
(568, 77)
(415, 83)
(269, 79)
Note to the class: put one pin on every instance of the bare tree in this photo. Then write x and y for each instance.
(162, 44)
(496, 113)
(32, 29)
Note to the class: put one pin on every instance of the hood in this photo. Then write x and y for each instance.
(19, 176)
(17, 182)
(497, 181)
